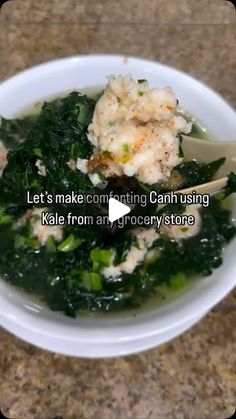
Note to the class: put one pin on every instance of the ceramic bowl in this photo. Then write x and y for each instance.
(109, 335)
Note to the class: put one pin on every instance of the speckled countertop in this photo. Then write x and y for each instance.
(193, 376)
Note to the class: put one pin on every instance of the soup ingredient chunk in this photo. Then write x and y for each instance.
(135, 131)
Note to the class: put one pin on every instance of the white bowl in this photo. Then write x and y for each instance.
(108, 335)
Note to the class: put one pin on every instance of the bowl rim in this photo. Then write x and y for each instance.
(101, 56)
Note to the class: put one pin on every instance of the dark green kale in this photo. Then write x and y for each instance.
(194, 173)
(199, 254)
(176, 208)
(58, 135)
(230, 187)
(14, 131)
(68, 277)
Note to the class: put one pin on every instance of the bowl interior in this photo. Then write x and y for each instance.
(36, 323)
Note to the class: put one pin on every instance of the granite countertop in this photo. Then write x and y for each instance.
(193, 376)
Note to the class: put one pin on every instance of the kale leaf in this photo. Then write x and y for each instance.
(194, 173)
(231, 185)
(58, 135)
(14, 131)
(199, 254)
